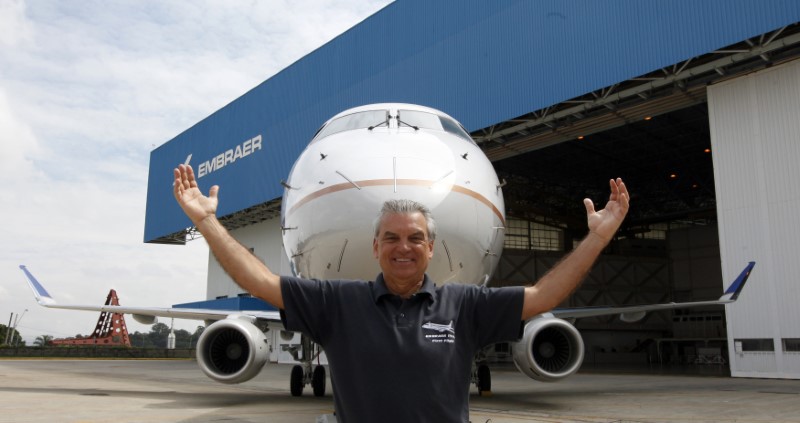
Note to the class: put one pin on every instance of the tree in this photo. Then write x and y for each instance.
(14, 337)
(140, 340)
(158, 335)
(42, 341)
(182, 338)
(196, 336)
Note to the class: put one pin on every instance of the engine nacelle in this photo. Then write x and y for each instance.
(232, 350)
(550, 349)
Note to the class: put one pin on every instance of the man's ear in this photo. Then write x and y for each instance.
(430, 249)
(375, 247)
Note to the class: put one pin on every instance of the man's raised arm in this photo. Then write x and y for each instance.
(245, 268)
(557, 284)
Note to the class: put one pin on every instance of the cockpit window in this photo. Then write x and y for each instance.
(358, 120)
(431, 121)
(419, 119)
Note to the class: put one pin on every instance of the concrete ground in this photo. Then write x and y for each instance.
(176, 391)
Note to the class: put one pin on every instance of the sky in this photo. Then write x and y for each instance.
(87, 90)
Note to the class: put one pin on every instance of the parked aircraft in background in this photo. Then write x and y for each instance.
(356, 161)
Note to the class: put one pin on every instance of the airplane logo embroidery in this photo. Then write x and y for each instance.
(439, 327)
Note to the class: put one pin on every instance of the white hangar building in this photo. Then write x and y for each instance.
(695, 103)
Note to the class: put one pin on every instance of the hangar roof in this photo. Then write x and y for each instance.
(519, 74)
(652, 130)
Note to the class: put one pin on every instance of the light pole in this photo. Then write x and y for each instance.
(8, 329)
(16, 322)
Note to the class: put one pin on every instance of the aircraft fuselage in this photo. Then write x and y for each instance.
(367, 155)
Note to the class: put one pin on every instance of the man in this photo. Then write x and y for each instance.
(400, 348)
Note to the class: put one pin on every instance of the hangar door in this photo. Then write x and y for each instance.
(755, 136)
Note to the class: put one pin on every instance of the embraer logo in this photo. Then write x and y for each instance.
(439, 327)
(227, 157)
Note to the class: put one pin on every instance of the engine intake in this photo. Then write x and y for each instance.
(232, 350)
(550, 349)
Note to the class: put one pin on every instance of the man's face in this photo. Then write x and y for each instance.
(402, 247)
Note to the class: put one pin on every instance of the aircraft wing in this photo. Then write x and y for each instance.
(44, 299)
(626, 313)
(635, 313)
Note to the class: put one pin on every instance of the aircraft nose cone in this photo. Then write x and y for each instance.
(340, 183)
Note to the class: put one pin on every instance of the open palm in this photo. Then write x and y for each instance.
(196, 205)
(605, 222)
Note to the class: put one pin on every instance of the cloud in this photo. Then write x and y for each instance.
(14, 29)
(18, 143)
(87, 90)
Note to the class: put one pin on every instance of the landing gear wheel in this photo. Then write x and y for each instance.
(296, 381)
(318, 381)
(484, 380)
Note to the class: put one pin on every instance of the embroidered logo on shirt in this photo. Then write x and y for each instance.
(439, 327)
(446, 333)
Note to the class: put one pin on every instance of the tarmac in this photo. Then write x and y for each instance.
(56, 390)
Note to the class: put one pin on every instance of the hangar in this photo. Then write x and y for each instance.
(694, 103)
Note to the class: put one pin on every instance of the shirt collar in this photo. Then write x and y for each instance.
(379, 290)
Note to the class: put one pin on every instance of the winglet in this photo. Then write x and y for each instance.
(42, 296)
(733, 291)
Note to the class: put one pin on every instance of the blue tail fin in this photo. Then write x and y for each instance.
(38, 290)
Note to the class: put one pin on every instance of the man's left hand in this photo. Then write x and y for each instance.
(604, 223)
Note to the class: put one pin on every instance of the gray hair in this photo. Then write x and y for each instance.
(406, 207)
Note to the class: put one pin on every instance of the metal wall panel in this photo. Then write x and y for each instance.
(481, 61)
(694, 259)
(755, 126)
(264, 238)
(613, 281)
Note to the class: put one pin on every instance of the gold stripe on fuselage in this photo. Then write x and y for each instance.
(390, 182)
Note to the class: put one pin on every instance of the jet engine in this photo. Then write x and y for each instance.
(550, 349)
(232, 350)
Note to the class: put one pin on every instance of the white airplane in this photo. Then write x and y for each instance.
(356, 161)
(440, 327)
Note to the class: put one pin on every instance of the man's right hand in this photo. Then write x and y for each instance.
(241, 264)
(197, 206)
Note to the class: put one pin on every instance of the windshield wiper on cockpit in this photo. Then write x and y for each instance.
(400, 122)
(385, 122)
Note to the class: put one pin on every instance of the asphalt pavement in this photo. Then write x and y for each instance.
(93, 391)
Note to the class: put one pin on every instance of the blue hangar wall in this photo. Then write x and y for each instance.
(481, 61)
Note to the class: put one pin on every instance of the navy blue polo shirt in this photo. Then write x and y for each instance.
(396, 360)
